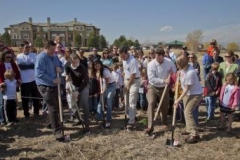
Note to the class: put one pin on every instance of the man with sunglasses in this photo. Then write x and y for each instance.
(26, 61)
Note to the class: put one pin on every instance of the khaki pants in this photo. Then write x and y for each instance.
(131, 98)
(190, 103)
(152, 95)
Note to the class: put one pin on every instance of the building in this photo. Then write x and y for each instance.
(175, 44)
(48, 31)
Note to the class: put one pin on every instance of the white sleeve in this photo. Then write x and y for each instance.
(152, 75)
(134, 66)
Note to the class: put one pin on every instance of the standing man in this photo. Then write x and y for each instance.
(47, 67)
(131, 83)
(95, 54)
(26, 61)
(159, 71)
(83, 59)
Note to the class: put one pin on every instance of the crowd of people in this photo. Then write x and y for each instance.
(118, 78)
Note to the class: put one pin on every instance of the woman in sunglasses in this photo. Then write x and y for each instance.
(228, 66)
(7, 63)
(194, 62)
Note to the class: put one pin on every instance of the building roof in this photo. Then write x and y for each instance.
(176, 42)
(69, 24)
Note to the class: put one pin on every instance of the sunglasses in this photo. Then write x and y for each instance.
(190, 57)
(8, 57)
(214, 69)
(227, 56)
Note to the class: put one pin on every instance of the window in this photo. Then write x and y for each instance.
(25, 36)
(70, 28)
(44, 29)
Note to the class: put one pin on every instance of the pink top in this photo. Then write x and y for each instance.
(234, 97)
(145, 84)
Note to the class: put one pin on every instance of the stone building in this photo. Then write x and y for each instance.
(48, 31)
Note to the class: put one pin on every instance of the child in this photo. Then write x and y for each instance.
(93, 93)
(116, 74)
(212, 90)
(229, 99)
(143, 90)
(9, 97)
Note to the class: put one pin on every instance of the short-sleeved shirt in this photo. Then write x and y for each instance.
(227, 94)
(190, 77)
(10, 92)
(130, 67)
(108, 74)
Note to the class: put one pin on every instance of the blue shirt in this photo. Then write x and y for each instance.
(45, 69)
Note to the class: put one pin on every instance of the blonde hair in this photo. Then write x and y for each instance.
(9, 74)
(181, 61)
(115, 66)
(231, 76)
(215, 65)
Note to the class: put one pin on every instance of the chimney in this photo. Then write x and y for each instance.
(75, 20)
(30, 20)
(48, 21)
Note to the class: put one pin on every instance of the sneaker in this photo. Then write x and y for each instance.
(3, 123)
(107, 125)
(9, 124)
(130, 127)
(148, 130)
(86, 130)
(192, 139)
(59, 136)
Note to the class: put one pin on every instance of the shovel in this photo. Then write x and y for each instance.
(172, 142)
(102, 101)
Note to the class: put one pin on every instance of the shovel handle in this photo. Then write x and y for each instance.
(175, 99)
(60, 101)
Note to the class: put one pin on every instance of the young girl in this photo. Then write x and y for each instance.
(229, 99)
(9, 97)
(212, 90)
(143, 90)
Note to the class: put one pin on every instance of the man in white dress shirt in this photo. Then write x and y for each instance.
(131, 83)
(159, 71)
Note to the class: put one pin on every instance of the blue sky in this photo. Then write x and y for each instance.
(149, 21)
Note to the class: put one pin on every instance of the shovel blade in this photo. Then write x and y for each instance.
(169, 142)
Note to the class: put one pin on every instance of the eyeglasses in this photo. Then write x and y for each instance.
(8, 57)
(227, 56)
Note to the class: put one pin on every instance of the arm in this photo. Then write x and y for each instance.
(186, 89)
(151, 76)
(236, 99)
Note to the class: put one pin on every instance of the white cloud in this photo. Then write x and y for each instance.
(166, 29)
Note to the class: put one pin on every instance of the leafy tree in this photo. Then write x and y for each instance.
(93, 40)
(116, 43)
(136, 43)
(6, 38)
(130, 43)
(38, 42)
(78, 40)
(233, 46)
(193, 39)
(102, 42)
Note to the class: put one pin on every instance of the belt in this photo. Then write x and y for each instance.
(135, 78)
(47, 86)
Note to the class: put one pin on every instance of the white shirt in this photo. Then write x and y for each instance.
(27, 75)
(116, 76)
(64, 61)
(173, 56)
(227, 94)
(120, 77)
(190, 77)
(158, 72)
(10, 92)
(130, 66)
(107, 74)
(8, 66)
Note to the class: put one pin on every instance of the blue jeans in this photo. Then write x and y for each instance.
(93, 102)
(2, 119)
(195, 115)
(210, 105)
(143, 100)
(108, 98)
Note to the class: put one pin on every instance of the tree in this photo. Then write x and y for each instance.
(233, 46)
(6, 38)
(78, 40)
(93, 40)
(136, 43)
(130, 43)
(102, 42)
(206, 45)
(193, 39)
(38, 42)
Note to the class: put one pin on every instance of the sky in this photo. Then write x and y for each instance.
(149, 21)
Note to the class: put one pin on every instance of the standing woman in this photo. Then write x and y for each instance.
(228, 66)
(109, 90)
(106, 59)
(194, 62)
(191, 95)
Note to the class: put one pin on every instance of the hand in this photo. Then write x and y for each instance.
(75, 94)
(57, 81)
(167, 81)
(176, 104)
(58, 70)
(216, 92)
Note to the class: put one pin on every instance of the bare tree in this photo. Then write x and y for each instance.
(193, 39)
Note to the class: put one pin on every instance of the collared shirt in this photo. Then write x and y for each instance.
(158, 72)
(45, 69)
(130, 67)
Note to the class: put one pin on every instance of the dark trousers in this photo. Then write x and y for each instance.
(171, 102)
(10, 110)
(116, 98)
(50, 96)
(27, 90)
